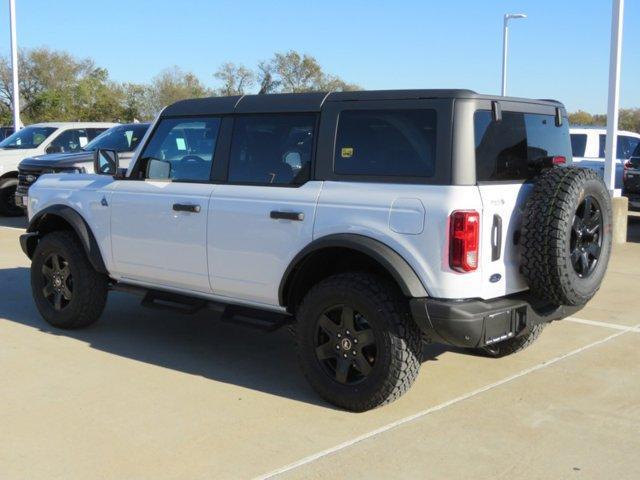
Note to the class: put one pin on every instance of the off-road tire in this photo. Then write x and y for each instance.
(546, 235)
(90, 288)
(8, 207)
(513, 345)
(398, 340)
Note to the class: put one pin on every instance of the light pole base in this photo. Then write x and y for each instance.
(620, 208)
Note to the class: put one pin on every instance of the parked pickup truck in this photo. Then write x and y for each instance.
(588, 143)
(39, 139)
(368, 221)
(124, 139)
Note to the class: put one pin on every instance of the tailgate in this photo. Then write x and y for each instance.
(502, 206)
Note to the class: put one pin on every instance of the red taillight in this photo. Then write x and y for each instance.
(463, 241)
(627, 165)
(559, 160)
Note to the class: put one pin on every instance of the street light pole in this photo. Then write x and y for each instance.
(14, 65)
(505, 46)
(611, 144)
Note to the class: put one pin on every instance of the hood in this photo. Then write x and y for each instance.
(62, 160)
(59, 160)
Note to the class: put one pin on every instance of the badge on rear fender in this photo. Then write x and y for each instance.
(495, 278)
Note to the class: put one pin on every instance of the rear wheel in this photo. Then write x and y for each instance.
(513, 345)
(8, 205)
(67, 291)
(357, 345)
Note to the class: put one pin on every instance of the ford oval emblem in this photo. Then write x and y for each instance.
(495, 278)
(30, 178)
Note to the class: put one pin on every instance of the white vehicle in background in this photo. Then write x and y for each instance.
(39, 139)
(587, 145)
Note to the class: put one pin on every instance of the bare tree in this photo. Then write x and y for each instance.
(236, 79)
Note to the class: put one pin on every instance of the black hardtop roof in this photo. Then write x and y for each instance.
(311, 101)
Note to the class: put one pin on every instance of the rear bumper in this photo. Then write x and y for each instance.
(476, 323)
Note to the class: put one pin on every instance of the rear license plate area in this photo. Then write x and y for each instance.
(503, 325)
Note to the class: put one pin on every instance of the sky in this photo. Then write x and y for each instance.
(560, 51)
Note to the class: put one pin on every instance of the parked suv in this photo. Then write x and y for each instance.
(631, 179)
(370, 221)
(588, 143)
(38, 139)
(124, 139)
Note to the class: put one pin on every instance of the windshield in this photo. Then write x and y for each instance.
(29, 137)
(123, 138)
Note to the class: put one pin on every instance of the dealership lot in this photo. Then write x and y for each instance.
(148, 394)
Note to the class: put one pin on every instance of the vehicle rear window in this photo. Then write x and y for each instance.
(578, 144)
(506, 149)
(397, 143)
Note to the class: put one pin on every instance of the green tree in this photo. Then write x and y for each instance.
(171, 85)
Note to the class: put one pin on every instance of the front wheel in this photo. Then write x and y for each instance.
(67, 291)
(8, 205)
(357, 344)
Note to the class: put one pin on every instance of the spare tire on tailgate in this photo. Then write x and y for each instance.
(566, 235)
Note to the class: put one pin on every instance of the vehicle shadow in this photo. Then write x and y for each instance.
(13, 222)
(633, 228)
(196, 344)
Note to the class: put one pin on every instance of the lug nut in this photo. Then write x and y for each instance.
(355, 340)
(345, 355)
(348, 332)
(339, 335)
(354, 352)
(337, 347)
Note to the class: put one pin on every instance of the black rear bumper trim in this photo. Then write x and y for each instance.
(476, 323)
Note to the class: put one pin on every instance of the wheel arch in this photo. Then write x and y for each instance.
(9, 174)
(62, 217)
(318, 260)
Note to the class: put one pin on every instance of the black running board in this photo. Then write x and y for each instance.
(255, 318)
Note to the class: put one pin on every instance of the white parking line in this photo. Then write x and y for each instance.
(594, 323)
(442, 406)
(12, 228)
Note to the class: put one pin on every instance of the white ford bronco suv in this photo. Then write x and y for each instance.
(370, 221)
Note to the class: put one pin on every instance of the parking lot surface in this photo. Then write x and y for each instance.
(148, 394)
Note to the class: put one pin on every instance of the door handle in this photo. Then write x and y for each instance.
(496, 238)
(185, 207)
(295, 216)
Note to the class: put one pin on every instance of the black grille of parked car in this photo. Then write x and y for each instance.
(26, 178)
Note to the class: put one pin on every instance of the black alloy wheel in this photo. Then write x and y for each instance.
(57, 281)
(586, 237)
(345, 345)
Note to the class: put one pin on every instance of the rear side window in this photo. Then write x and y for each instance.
(506, 149)
(272, 149)
(396, 143)
(578, 144)
(626, 146)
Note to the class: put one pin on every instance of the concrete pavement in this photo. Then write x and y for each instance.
(147, 394)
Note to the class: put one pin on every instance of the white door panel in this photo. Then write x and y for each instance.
(248, 250)
(153, 242)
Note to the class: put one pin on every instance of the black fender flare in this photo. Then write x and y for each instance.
(79, 226)
(404, 275)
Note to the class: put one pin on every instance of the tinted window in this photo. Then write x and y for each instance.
(94, 132)
(186, 147)
(578, 144)
(28, 137)
(399, 143)
(124, 138)
(625, 148)
(272, 149)
(506, 150)
(71, 140)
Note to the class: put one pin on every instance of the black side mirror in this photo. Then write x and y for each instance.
(105, 162)
(54, 149)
